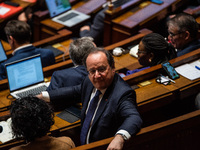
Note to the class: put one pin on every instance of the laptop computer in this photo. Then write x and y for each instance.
(25, 77)
(3, 56)
(60, 11)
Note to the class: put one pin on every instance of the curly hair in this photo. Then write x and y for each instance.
(156, 44)
(31, 118)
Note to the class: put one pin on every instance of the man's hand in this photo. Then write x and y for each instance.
(40, 96)
(117, 143)
(85, 28)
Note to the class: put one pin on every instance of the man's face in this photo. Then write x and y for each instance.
(100, 73)
(176, 37)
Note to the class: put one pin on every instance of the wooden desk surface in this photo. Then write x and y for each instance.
(145, 15)
(139, 15)
(126, 61)
(88, 7)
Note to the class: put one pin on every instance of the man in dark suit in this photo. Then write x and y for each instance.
(115, 113)
(19, 35)
(73, 76)
(183, 33)
(96, 30)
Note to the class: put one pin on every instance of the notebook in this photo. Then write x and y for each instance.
(60, 11)
(25, 77)
(3, 56)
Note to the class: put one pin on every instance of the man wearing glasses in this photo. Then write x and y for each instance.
(115, 112)
(183, 31)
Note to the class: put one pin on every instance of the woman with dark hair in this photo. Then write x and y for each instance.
(32, 119)
(153, 49)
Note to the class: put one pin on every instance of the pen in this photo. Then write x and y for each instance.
(197, 67)
(168, 79)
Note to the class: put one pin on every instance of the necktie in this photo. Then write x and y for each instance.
(88, 118)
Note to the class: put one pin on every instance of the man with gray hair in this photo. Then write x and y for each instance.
(78, 49)
(183, 31)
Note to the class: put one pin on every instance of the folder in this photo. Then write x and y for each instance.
(8, 10)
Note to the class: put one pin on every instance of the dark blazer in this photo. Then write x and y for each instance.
(117, 109)
(189, 48)
(67, 77)
(97, 28)
(47, 57)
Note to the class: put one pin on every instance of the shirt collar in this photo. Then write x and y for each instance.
(27, 45)
(102, 91)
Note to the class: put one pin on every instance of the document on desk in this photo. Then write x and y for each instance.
(4, 10)
(6, 134)
(190, 71)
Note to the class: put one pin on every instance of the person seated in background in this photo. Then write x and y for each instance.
(73, 76)
(19, 34)
(27, 14)
(153, 50)
(32, 119)
(96, 29)
(183, 33)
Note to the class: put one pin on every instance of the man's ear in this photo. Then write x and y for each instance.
(11, 39)
(187, 35)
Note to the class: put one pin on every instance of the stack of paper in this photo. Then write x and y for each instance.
(6, 135)
(190, 71)
(133, 51)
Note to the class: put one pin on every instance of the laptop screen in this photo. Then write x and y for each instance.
(57, 7)
(2, 53)
(24, 72)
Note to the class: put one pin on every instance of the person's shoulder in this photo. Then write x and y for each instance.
(64, 72)
(44, 50)
(66, 140)
(120, 86)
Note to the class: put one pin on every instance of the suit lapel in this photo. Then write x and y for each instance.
(101, 108)
(86, 99)
(105, 100)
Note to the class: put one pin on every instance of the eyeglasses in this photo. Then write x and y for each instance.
(100, 70)
(174, 34)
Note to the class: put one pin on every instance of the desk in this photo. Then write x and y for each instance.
(144, 15)
(49, 27)
(149, 98)
(127, 62)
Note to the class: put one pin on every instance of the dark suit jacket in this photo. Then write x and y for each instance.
(47, 57)
(189, 48)
(67, 77)
(117, 109)
(97, 28)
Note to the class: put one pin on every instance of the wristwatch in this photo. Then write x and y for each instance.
(123, 136)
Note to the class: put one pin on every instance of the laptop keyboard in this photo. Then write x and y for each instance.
(68, 16)
(32, 92)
